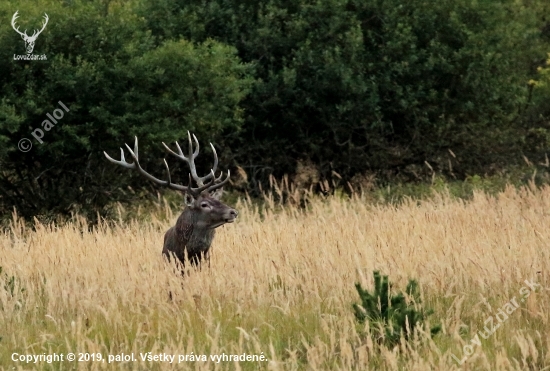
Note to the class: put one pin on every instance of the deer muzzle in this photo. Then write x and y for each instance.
(232, 216)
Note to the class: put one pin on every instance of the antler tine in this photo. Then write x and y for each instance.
(136, 152)
(135, 165)
(221, 184)
(219, 178)
(215, 167)
(179, 155)
(190, 160)
(192, 156)
(193, 153)
(196, 152)
(211, 185)
(122, 161)
(168, 171)
(200, 180)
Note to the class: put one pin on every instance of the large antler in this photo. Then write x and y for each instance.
(212, 184)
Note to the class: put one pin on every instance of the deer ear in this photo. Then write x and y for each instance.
(217, 194)
(189, 199)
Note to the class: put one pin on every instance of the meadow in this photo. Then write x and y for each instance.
(280, 288)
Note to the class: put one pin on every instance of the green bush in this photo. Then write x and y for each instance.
(391, 315)
(11, 284)
(378, 86)
(538, 124)
(118, 81)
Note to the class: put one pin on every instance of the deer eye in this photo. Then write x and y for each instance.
(204, 205)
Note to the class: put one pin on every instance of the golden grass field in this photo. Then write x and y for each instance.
(281, 285)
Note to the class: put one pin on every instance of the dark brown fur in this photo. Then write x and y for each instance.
(195, 228)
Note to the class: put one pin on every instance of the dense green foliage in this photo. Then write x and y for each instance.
(361, 86)
(10, 284)
(118, 81)
(350, 87)
(391, 315)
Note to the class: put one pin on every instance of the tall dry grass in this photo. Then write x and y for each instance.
(281, 284)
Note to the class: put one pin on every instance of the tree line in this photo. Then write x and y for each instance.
(343, 88)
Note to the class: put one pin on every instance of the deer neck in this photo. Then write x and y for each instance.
(198, 236)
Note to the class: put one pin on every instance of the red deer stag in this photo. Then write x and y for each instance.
(195, 227)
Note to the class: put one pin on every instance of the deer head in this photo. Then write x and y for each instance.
(29, 40)
(207, 212)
